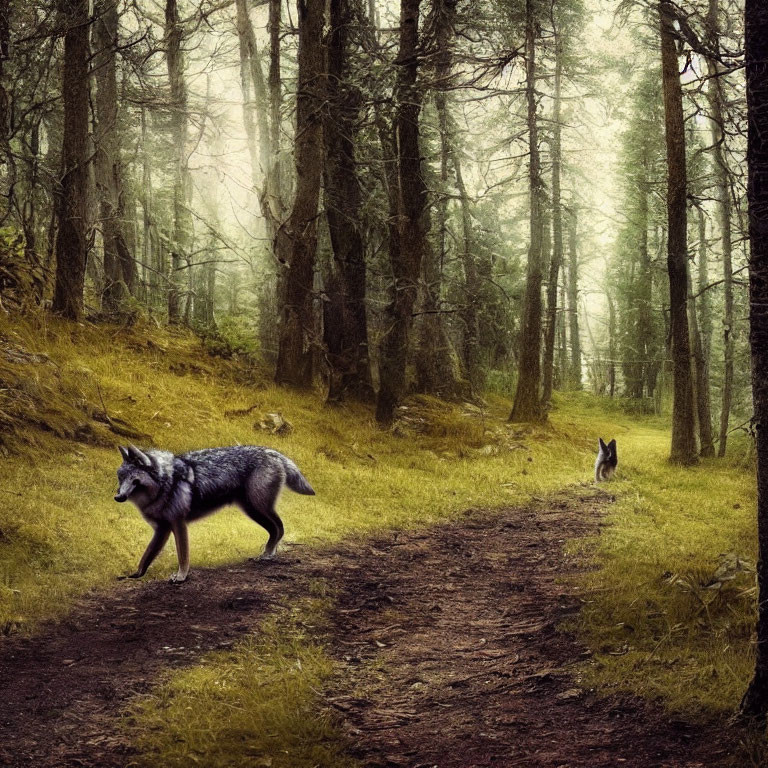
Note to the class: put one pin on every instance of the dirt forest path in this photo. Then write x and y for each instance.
(462, 619)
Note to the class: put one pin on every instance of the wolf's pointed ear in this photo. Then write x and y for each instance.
(601, 445)
(612, 445)
(123, 452)
(139, 457)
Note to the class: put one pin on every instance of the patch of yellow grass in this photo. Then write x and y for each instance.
(258, 705)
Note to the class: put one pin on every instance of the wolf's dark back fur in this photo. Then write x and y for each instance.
(221, 475)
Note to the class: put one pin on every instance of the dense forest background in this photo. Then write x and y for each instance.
(495, 196)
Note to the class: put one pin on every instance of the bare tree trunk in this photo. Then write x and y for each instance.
(385, 130)
(255, 103)
(346, 335)
(700, 358)
(210, 271)
(29, 210)
(716, 101)
(71, 240)
(435, 370)
(129, 268)
(182, 221)
(754, 705)
(561, 366)
(150, 254)
(646, 336)
(384, 123)
(527, 404)
(205, 287)
(683, 448)
(703, 302)
(406, 258)
(244, 27)
(119, 272)
(611, 344)
(296, 241)
(573, 302)
(557, 235)
(271, 197)
(272, 203)
(7, 154)
(471, 341)
(701, 388)
(275, 89)
(435, 374)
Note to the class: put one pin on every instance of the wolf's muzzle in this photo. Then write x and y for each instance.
(120, 497)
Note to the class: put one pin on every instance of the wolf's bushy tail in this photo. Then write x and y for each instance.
(295, 480)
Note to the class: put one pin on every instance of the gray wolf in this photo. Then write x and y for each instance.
(607, 459)
(171, 491)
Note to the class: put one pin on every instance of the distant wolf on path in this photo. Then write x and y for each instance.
(171, 491)
(607, 459)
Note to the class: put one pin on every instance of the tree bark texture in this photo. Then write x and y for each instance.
(435, 369)
(71, 241)
(182, 220)
(611, 344)
(244, 36)
(755, 701)
(296, 240)
(472, 284)
(255, 100)
(407, 257)
(5, 54)
(683, 449)
(527, 404)
(557, 234)
(700, 355)
(573, 301)
(152, 257)
(640, 349)
(704, 301)
(346, 332)
(716, 101)
(119, 266)
(272, 194)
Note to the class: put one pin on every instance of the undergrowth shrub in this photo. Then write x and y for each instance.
(233, 336)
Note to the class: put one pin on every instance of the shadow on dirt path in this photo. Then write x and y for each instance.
(446, 639)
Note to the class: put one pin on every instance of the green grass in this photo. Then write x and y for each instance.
(652, 626)
(257, 706)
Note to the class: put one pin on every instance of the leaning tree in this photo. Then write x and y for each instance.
(755, 702)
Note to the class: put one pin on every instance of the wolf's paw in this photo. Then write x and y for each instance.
(263, 556)
(177, 579)
(136, 575)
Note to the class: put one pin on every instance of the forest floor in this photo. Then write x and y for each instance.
(449, 648)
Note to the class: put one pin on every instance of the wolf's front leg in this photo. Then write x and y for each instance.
(181, 538)
(155, 546)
